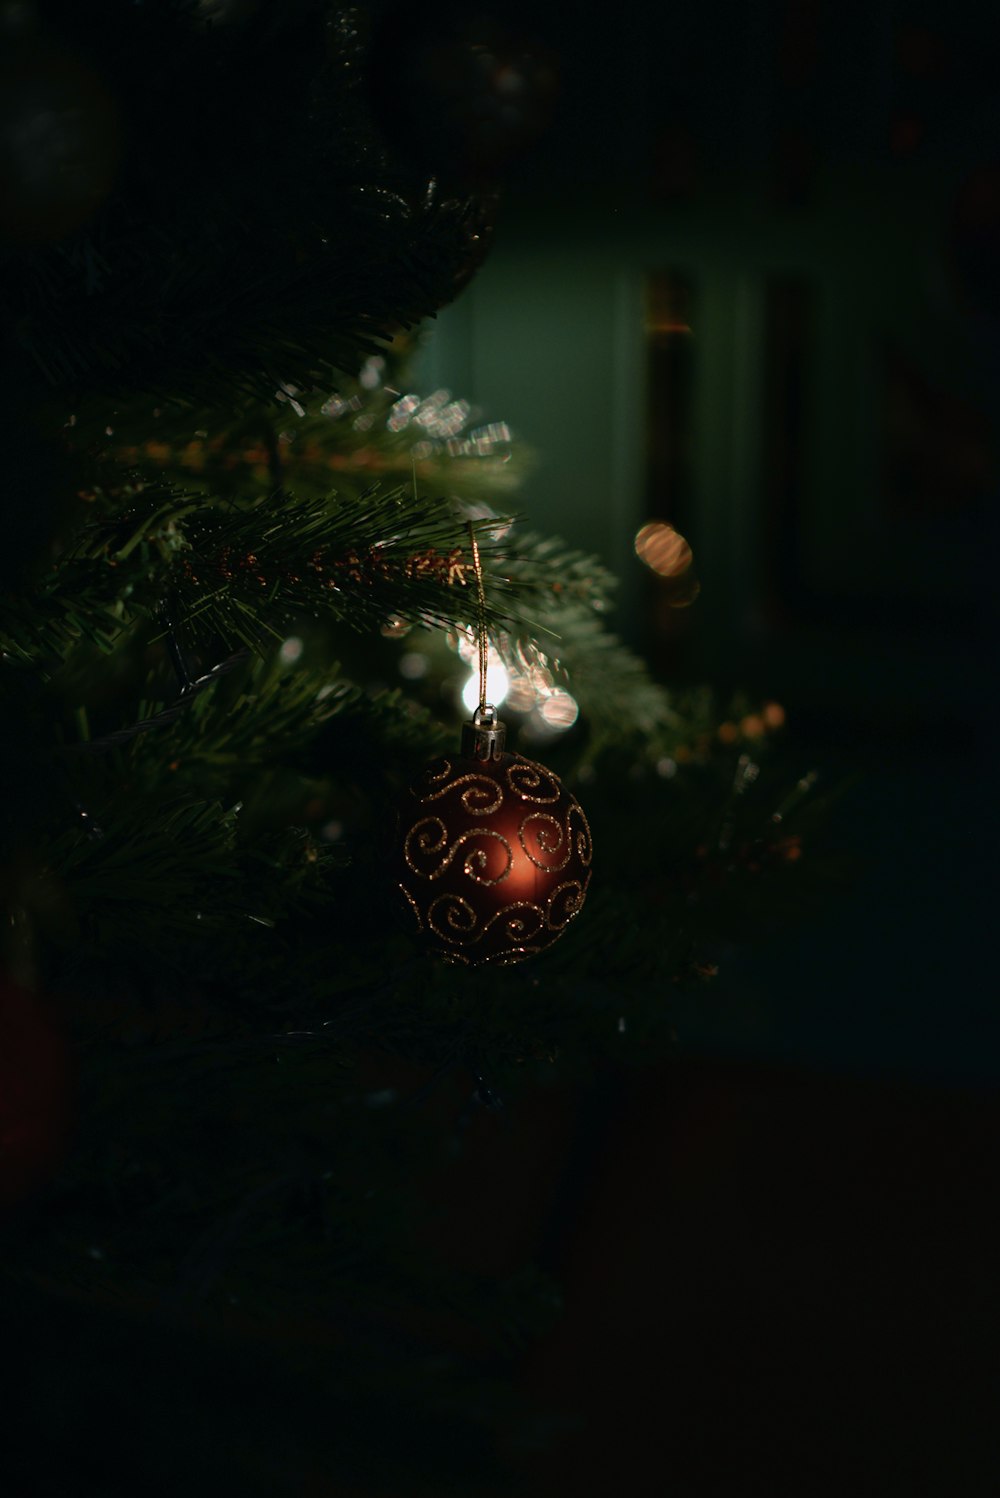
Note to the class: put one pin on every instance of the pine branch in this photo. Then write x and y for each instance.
(271, 716)
(152, 879)
(554, 571)
(236, 574)
(622, 706)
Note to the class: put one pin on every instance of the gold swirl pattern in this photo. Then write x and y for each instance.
(453, 958)
(508, 959)
(413, 906)
(549, 837)
(516, 927)
(460, 920)
(584, 837)
(434, 774)
(533, 782)
(496, 959)
(429, 838)
(481, 797)
(422, 834)
(493, 859)
(572, 895)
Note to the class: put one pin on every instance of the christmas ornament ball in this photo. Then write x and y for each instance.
(493, 855)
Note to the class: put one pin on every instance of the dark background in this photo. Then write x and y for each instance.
(777, 1249)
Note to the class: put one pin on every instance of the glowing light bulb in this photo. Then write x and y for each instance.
(497, 681)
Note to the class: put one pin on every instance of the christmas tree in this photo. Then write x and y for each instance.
(239, 601)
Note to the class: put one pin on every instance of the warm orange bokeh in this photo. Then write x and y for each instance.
(663, 549)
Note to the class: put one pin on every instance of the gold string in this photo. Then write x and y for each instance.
(484, 644)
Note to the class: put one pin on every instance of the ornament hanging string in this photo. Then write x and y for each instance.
(484, 644)
(528, 875)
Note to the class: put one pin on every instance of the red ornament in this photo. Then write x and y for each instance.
(493, 856)
(34, 1091)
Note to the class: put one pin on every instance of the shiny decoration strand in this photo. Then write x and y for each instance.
(484, 644)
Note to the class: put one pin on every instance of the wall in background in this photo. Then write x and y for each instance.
(818, 200)
(815, 200)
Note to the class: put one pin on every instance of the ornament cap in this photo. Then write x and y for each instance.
(483, 737)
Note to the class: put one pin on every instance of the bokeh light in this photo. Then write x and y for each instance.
(521, 695)
(663, 549)
(497, 681)
(560, 711)
(413, 665)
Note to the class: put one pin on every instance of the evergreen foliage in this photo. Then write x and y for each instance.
(202, 745)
